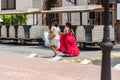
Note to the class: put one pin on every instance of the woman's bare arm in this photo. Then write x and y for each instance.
(66, 30)
(72, 31)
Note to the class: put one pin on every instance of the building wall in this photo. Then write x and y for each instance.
(85, 14)
(97, 15)
(93, 1)
(75, 17)
(23, 4)
(0, 5)
(118, 27)
(37, 4)
(28, 5)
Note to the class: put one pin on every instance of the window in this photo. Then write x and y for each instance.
(68, 0)
(8, 4)
(92, 15)
(72, 1)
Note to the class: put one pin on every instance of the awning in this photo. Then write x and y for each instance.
(13, 12)
(82, 8)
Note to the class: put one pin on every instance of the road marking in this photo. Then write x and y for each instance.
(113, 56)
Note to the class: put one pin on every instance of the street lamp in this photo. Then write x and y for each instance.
(106, 46)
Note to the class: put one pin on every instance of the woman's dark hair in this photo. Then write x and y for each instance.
(69, 25)
(55, 22)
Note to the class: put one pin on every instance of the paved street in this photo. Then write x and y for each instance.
(19, 67)
(16, 65)
(44, 52)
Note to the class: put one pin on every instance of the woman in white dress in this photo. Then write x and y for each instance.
(55, 42)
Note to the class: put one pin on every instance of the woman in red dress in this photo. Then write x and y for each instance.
(68, 44)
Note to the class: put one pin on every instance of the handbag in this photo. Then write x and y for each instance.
(52, 35)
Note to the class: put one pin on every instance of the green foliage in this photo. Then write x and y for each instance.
(19, 19)
(6, 19)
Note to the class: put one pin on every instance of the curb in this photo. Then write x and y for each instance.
(113, 56)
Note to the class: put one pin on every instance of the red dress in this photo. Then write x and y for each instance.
(68, 45)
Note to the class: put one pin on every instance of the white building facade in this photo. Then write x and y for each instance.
(23, 5)
(75, 17)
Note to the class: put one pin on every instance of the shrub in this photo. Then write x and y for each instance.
(19, 19)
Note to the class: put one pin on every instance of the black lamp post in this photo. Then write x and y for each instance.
(106, 46)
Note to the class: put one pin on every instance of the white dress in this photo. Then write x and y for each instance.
(46, 39)
(56, 41)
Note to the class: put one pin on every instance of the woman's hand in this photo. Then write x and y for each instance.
(61, 33)
(72, 32)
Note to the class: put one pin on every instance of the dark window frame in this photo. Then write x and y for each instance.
(92, 15)
(7, 7)
(72, 1)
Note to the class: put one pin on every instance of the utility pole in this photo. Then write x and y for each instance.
(106, 46)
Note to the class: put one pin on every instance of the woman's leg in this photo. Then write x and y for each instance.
(54, 50)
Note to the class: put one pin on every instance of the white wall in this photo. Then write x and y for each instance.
(85, 14)
(118, 11)
(75, 17)
(0, 5)
(37, 4)
(23, 4)
(28, 4)
(64, 15)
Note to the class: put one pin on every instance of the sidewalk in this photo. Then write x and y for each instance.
(18, 67)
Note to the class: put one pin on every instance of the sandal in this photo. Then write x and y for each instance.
(55, 54)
